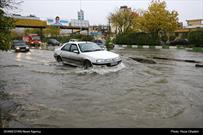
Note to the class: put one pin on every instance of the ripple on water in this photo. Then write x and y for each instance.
(164, 110)
(14, 66)
(62, 70)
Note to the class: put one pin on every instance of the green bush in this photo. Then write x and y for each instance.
(196, 38)
(135, 38)
(197, 49)
(6, 24)
(172, 37)
(165, 47)
(109, 43)
(140, 47)
(152, 47)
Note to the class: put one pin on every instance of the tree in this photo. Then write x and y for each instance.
(158, 20)
(6, 24)
(123, 20)
(16, 35)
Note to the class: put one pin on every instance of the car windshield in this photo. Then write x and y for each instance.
(20, 44)
(89, 47)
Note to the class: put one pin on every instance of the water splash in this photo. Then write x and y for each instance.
(101, 70)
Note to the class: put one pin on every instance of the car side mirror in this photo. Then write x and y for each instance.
(76, 51)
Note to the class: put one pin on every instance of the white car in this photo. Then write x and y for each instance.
(85, 54)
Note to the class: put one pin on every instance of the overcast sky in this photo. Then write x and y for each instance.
(96, 11)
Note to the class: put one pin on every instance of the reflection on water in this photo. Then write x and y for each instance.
(43, 93)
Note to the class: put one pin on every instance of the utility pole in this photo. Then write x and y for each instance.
(109, 25)
(80, 18)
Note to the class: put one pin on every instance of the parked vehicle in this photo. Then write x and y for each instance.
(85, 54)
(73, 40)
(179, 42)
(20, 46)
(53, 42)
(32, 40)
(100, 43)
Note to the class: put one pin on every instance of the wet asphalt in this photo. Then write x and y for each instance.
(36, 91)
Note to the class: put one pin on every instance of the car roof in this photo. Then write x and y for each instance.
(79, 42)
(18, 41)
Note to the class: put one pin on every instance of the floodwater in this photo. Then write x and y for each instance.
(36, 91)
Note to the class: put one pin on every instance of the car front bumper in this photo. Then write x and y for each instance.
(22, 50)
(108, 64)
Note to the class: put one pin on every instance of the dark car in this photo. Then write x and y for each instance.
(20, 46)
(53, 42)
(100, 43)
(179, 42)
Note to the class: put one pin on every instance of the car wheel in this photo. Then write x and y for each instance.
(87, 64)
(59, 60)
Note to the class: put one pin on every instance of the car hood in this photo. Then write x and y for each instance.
(101, 54)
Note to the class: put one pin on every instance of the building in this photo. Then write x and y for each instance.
(192, 25)
(124, 8)
(81, 15)
(99, 30)
(196, 23)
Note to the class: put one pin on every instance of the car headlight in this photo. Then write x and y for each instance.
(27, 47)
(17, 48)
(117, 59)
(100, 61)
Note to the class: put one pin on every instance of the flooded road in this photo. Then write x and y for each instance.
(36, 91)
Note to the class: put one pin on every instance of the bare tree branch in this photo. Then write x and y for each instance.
(10, 4)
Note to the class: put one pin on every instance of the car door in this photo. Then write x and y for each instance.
(65, 53)
(75, 56)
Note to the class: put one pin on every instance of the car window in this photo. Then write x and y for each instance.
(89, 47)
(66, 47)
(20, 44)
(73, 47)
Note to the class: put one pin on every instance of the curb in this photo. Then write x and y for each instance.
(150, 47)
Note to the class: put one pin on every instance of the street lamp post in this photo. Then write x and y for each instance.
(109, 25)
